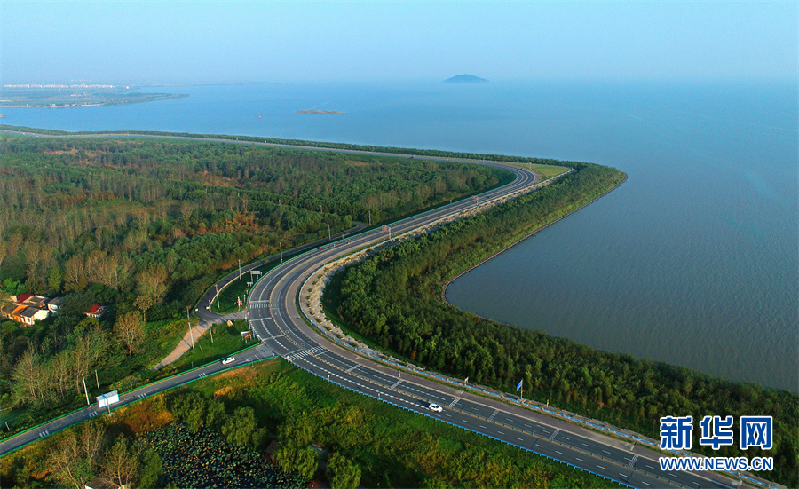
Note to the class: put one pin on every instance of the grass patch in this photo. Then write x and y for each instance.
(227, 340)
(546, 171)
(227, 300)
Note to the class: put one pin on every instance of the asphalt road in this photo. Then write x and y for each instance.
(275, 319)
(260, 352)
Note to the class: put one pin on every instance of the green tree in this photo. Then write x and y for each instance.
(151, 469)
(343, 473)
(294, 458)
(241, 429)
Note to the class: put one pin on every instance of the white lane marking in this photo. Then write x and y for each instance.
(599, 466)
(672, 475)
(484, 427)
(606, 452)
(559, 453)
(519, 439)
(501, 433)
(642, 482)
(578, 458)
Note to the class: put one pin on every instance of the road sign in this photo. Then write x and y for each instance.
(107, 399)
(385, 228)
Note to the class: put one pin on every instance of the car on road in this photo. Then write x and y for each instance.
(228, 360)
(435, 408)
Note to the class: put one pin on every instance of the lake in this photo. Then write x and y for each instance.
(693, 261)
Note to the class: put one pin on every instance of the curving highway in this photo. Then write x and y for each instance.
(276, 320)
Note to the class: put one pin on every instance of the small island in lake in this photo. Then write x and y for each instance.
(319, 112)
(465, 79)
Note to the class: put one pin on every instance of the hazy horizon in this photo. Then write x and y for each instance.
(143, 43)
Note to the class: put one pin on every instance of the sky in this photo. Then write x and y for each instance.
(152, 42)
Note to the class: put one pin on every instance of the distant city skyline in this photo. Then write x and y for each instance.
(217, 42)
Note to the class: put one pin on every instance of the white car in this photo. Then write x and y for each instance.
(436, 408)
(228, 360)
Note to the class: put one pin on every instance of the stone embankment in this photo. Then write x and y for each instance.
(311, 293)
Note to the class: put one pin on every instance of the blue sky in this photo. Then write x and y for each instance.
(179, 42)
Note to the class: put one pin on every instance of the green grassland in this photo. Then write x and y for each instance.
(546, 171)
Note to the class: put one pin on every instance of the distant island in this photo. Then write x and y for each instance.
(465, 79)
(319, 112)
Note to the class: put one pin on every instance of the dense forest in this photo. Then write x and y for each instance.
(393, 300)
(271, 424)
(145, 226)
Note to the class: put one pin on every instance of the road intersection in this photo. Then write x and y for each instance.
(275, 318)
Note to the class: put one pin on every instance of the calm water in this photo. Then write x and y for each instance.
(693, 261)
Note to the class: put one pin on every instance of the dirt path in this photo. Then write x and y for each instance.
(201, 328)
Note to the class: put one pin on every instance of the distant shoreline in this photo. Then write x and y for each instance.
(319, 112)
(92, 99)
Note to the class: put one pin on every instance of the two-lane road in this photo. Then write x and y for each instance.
(260, 352)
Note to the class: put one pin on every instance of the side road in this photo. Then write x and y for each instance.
(16, 442)
(207, 318)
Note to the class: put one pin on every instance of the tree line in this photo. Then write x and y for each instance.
(145, 226)
(393, 299)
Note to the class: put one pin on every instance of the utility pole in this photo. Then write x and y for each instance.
(239, 268)
(190, 331)
(86, 392)
(328, 232)
(211, 331)
(281, 252)
(97, 378)
(370, 217)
